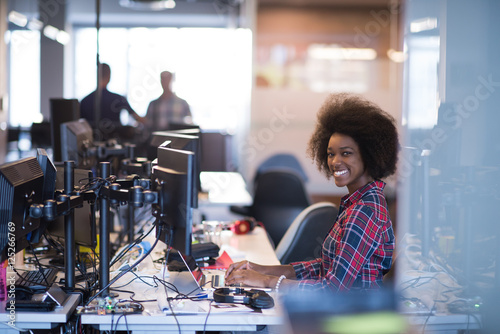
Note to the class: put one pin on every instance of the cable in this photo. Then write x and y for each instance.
(172, 310)
(428, 317)
(140, 278)
(125, 249)
(208, 314)
(165, 287)
(21, 330)
(129, 253)
(167, 284)
(112, 321)
(53, 243)
(89, 283)
(38, 264)
(118, 320)
(125, 271)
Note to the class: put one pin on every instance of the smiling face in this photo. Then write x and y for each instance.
(346, 164)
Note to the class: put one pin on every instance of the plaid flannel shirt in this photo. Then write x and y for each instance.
(358, 249)
(162, 112)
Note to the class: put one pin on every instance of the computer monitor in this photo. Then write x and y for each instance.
(181, 141)
(172, 179)
(77, 143)
(85, 229)
(173, 126)
(61, 111)
(21, 184)
(49, 186)
(184, 142)
(40, 134)
(49, 171)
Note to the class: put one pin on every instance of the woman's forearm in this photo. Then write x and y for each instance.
(276, 270)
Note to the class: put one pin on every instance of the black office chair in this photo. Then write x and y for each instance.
(304, 238)
(279, 196)
(283, 161)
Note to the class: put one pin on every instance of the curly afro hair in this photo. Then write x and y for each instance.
(373, 129)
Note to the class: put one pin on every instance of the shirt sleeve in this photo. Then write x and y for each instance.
(86, 109)
(119, 103)
(186, 110)
(127, 106)
(308, 269)
(150, 115)
(359, 240)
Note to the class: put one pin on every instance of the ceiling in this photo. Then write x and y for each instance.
(186, 13)
(332, 3)
(214, 13)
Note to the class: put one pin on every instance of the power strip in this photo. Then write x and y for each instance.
(118, 308)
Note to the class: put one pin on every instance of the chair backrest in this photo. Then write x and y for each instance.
(279, 196)
(304, 238)
(283, 161)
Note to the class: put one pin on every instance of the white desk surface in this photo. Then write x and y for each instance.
(449, 323)
(39, 320)
(153, 320)
(253, 246)
(223, 188)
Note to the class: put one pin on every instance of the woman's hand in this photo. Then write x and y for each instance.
(244, 265)
(276, 271)
(248, 277)
(236, 266)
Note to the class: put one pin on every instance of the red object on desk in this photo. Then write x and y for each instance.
(222, 262)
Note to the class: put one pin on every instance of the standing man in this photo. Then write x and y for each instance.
(168, 108)
(110, 107)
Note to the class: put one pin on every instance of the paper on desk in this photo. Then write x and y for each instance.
(232, 308)
(222, 262)
(235, 254)
(201, 307)
(187, 306)
(183, 306)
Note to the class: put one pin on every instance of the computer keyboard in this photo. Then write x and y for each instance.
(37, 279)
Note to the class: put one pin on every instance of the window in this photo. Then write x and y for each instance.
(24, 80)
(212, 68)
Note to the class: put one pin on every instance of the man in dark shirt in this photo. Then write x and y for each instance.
(110, 107)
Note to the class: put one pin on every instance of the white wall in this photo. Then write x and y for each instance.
(283, 120)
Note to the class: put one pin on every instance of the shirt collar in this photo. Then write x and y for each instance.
(348, 200)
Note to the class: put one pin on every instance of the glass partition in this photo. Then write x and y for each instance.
(448, 235)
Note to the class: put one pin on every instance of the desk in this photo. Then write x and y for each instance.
(223, 188)
(254, 245)
(153, 320)
(446, 323)
(39, 320)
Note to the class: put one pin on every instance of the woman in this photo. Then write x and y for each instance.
(356, 143)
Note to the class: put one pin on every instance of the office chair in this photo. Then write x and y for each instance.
(279, 196)
(304, 238)
(283, 160)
